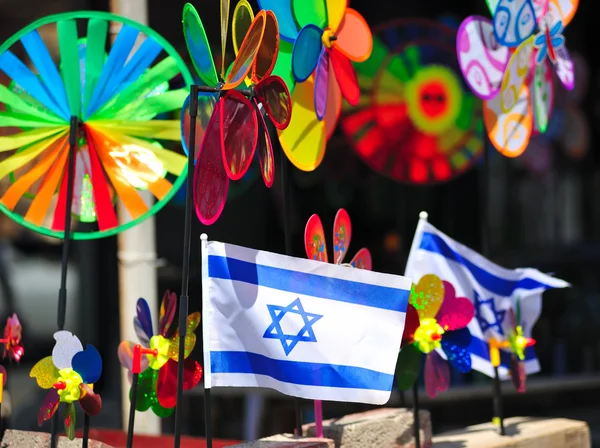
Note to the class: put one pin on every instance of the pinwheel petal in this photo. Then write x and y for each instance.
(314, 239)
(198, 46)
(345, 76)
(125, 354)
(69, 420)
(342, 234)
(224, 28)
(437, 374)
(206, 106)
(427, 296)
(247, 53)
(354, 38)
(144, 317)
(514, 21)
(563, 10)
(193, 321)
(515, 75)
(168, 306)
(166, 386)
(455, 345)
(275, 97)
(49, 406)
(90, 402)
(542, 86)
(321, 84)
(268, 51)
(335, 13)
(310, 12)
(455, 312)
(44, 372)
(408, 367)
(242, 19)
(410, 325)
(362, 260)
(565, 70)
(518, 374)
(88, 364)
(285, 19)
(67, 345)
(305, 54)
(265, 151)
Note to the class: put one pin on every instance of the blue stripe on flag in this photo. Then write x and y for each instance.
(481, 348)
(500, 286)
(303, 373)
(308, 284)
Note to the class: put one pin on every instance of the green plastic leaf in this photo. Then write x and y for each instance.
(19, 103)
(408, 367)
(310, 12)
(198, 46)
(69, 64)
(70, 420)
(94, 56)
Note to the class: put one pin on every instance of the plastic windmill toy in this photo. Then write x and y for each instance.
(436, 320)
(508, 62)
(230, 125)
(69, 374)
(516, 343)
(13, 347)
(91, 118)
(154, 359)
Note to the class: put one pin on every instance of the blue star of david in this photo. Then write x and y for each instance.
(483, 322)
(288, 342)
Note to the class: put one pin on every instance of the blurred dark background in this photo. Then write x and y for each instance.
(548, 218)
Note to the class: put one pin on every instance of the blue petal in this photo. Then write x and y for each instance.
(542, 53)
(458, 357)
(539, 40)
(88, 364)
(144, 317)
(285, 18)
(461, 337)
(306, 52)
(557, 28)
(558, 41)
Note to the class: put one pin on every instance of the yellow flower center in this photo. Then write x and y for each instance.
(428, 336)
(518, 343)
(67, 385)
(160, 344)
(326, 38)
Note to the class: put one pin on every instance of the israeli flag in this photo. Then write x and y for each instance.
(492, 289)
(302, 327)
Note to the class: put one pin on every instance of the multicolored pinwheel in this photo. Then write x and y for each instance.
(230, 122)
(157, 383)
(416, 121)
(114, 99)
(435, 320)
(70, 374)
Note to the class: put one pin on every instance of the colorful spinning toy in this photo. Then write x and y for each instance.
(13, 347)
(109, 103)
(157, 365)
(70, 374)
(230, 122)
(435, 320)
(507, 63)
(416, 122)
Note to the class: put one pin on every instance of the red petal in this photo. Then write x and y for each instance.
(48, 407)
(410, 325)
(166, 386)
(90, 402)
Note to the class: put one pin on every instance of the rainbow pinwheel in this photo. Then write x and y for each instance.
(230, 123)
(112, 100)
(435, 320)
(70, 374)
(157, 382)
(508, 62)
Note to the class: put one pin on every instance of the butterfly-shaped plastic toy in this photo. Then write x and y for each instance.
(69, 374)
(157, 382)
(230, 124)
(435, 319)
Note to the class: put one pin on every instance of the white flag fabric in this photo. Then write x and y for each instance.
(305, 328)
(492, 289)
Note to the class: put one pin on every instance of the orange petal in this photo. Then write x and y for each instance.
(354, 38)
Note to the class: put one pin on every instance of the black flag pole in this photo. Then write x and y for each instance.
(64, 265)
(498, 418)
(185, 275)
(416, 420)
(136, 367)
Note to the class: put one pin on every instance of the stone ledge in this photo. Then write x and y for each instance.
(31, 439)
(522, 432)
(378, 428)
(287, 441)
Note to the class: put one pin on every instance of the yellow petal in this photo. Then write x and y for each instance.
(45, 373)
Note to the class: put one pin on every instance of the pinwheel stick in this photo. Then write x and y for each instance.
(416, 420)
(136, 367)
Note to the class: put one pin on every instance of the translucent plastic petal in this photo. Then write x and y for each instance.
(206, 106)
(242, 19)
(210, 178)
(193, 321)
(408, 367)
(125, 354)
(269, 48)
(354, 38)
(314, 239)
(564, 9)
(345, 76)
(342, 234)
(437, 374)
(321, 84)
(334, 106)
(283, 11)
(283, 66)
(239, 134)
(305, 54)
(455, 312)
(456, 347)
(90, 402)
(515, 75)
(518, 374)
(514, 22)
(144, 317)
(44, 372)
(168, 306)
(481, 59)
(410, 325)
(335, 13)
(198, 46)
(49, 406)
(310, 12)
(69, 420)
(146, 390)
(265, 151)
(362, 260)
(67, 344)
(88, 364)
(565, 70)
(542, 86)
(224, 27)
(247, 53)
(275, 98)
(428, 296)
(166, 386)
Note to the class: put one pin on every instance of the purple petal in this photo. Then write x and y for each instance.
(321, 81)
(437, 374)
(167, 312)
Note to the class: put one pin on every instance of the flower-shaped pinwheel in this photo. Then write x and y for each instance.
(435, 319)
(228, 126)
(157, 383)
(518, 87)
(70, 374)
(13, 347)
(516, 343)
(314, 241)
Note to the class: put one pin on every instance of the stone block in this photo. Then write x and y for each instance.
(378, 428)
(521, 432)
(31, 439)
(287, 441)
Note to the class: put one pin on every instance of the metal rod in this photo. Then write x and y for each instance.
(86, 430)
(134, 383)
(416, 420)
